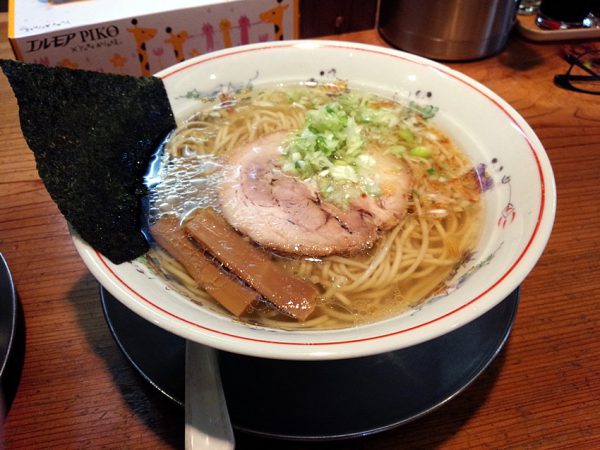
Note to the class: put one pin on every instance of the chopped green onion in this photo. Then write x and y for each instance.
(365, 160)
(329, 150)
(420, 151)
(407, 135)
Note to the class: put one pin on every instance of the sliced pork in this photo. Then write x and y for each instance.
(285, 214)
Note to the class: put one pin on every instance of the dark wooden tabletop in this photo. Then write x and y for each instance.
(543, 391)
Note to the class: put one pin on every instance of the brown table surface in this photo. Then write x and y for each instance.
(543, 391)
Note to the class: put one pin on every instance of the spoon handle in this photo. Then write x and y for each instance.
(207, 423)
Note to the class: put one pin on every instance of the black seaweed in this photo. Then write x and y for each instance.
(93, 135)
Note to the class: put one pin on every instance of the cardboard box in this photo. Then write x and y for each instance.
(141, 37)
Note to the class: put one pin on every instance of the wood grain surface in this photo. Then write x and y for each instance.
(543, 391)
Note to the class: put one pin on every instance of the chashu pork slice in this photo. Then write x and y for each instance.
(285, 214)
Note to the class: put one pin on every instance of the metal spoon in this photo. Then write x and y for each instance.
(207, 423)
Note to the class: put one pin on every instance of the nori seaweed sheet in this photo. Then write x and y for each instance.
(93, 135)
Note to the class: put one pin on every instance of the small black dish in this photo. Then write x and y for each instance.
(321, 400)
(12, 338)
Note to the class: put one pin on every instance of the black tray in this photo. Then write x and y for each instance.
(318, 400)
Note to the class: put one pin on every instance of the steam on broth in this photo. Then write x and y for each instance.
(357, 197)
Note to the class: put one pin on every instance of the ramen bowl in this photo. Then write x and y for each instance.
(517, 184)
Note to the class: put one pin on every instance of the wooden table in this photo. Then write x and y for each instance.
(78, 391)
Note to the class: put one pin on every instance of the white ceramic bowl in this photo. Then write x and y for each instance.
(520, 205)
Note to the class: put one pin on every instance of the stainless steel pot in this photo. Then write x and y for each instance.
(447, 29)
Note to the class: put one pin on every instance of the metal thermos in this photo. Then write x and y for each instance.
(448, 29)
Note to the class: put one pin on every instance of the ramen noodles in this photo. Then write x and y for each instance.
(360, 199)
